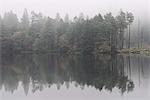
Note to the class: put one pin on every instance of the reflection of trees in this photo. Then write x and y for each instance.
(102, 72)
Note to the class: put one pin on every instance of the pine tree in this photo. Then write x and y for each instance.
(25, 21)
(130, 19)
(122, 25)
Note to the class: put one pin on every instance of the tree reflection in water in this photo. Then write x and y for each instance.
(41, 71)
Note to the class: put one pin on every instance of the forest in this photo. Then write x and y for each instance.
(37, 33)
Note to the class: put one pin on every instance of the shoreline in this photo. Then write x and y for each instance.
(123, 51)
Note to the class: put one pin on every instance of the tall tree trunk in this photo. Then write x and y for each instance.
(141, 38)
(121, 38)
(113, 42)
(129, 38)
(138, 34)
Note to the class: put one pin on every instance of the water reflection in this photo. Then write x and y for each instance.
(42, 71)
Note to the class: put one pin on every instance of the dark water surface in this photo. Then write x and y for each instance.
(80, 77)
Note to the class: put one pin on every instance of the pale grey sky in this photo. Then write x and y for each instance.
(74, 7)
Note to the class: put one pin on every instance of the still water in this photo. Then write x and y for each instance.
(80, 77)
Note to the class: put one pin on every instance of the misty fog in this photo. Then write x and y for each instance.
(75, 7)
(75, 49)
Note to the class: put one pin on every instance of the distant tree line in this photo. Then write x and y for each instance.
(44, 34)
